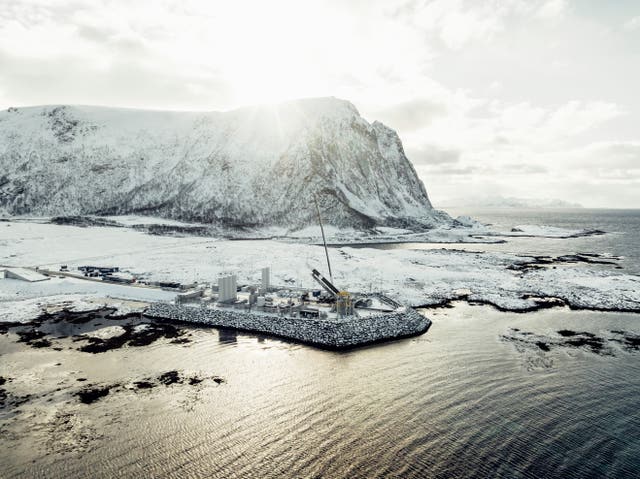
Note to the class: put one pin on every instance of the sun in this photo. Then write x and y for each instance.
(267, 53)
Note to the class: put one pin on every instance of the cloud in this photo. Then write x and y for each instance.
(632, 24)
(454, 23)
(459, 23)
(552, 9)
(450, 171)
(576, 117)
(479, 168)
(615, 155)
(524, 169)
(433, 155)
(411, 115)
(124, 83)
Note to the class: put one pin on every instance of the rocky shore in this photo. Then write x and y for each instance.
(325, 333)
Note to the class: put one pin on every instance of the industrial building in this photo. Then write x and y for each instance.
(268, 299)
(227, 289)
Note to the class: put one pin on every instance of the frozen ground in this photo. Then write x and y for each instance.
(24, 308)
(546, 232)
(462, 230)
(418, 277)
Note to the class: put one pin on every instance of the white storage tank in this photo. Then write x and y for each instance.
(266, 279)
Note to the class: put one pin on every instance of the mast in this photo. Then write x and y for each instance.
(324, 240)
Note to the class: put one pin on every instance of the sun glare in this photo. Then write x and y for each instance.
(266, 56)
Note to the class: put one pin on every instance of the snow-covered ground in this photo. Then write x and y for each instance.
(24, 309)
(542, 231)
(418, 277)
(22, 301)
(134, 220)
(463, 230)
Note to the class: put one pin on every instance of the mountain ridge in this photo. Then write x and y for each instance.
(252, 166)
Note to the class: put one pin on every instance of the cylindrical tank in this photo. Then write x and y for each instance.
(260, 301)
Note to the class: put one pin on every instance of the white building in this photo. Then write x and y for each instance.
(266, 279)
(227, 288)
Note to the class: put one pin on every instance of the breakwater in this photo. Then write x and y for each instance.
(327, 333)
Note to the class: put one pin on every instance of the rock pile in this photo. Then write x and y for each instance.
(327, 333)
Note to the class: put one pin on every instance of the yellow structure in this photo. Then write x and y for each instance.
(344, 304)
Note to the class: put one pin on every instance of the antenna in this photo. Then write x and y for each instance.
(324, 240)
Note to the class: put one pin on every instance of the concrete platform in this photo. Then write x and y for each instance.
(23, 274)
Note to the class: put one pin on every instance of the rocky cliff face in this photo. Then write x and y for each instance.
(252, 167)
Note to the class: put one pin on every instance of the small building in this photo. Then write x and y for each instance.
(309, 313)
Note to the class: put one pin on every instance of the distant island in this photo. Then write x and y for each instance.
(510, 202)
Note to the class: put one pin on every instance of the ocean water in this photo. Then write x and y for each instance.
(622, 228)
(467, 399)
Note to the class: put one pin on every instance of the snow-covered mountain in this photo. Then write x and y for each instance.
(256, 166)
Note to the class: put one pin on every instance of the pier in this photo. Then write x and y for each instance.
(328, 333)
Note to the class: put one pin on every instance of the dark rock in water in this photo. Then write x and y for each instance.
(174, 377)
(3, 392)
(92, 394)
(132, 337)
(8, 399)
(81, 379)
(583, 258)
(34, 338)
(632, 342)
(595, 344)
(516, 230)
(566, 332)
(99, 345)
(601, 345)
(543, 346)
(29, 335)
(170, 377)
(144, 384)
(4, 328)
(151, 333)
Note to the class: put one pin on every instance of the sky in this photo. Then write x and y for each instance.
(510, 98)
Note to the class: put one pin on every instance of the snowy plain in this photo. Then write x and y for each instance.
(417, 277)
